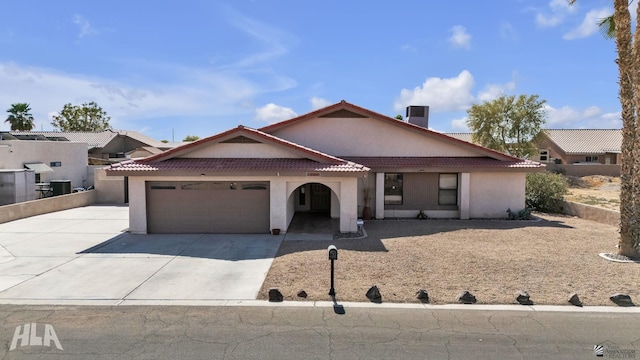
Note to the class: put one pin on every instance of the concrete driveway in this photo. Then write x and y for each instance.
(86, 254)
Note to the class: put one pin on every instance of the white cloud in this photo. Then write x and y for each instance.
(460, 38)
(318, 103)
(589, 25)
(558, 11)
(272, 113)
(590, 117)
(460, 125)
(85, 27)
(174, 91)
(449, 94)
(507, 32)
(493, 91)
(272, 39)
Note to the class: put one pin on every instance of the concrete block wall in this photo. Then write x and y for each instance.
(593, 213)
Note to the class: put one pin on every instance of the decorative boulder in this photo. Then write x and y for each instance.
(523, 298)
(466, 297)
(422, 295)
(373, 294)
(575, 300)
(621, 299)
(302, 294)
(275, 295)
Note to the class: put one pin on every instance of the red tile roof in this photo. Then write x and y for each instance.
(236, 164)
(427, 162)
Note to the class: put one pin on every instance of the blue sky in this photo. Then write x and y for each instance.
(170, 69)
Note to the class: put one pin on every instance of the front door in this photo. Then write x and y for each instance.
(320, 198)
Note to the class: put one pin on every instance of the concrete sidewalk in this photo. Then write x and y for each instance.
(86, 255)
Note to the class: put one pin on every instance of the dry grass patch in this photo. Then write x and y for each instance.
(493, 259)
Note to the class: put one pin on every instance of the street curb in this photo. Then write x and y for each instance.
(320, 304)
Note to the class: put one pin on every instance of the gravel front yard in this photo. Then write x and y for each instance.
(494, 259)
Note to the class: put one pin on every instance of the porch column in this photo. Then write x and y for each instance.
(137, 205)
(464, 195)
(278, 207)
(380, 196)
(349, 205)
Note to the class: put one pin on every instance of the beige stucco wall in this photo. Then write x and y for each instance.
(72, 155)
(366, 137)
(109, 189)
(281, 190)
(594, 213)
(235, 150)
(45, 206)
(491, 194)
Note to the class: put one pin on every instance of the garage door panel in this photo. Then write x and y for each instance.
(208, 207)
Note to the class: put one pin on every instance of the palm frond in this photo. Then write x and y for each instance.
(607, 27)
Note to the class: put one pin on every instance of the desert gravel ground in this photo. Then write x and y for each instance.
(494, 259)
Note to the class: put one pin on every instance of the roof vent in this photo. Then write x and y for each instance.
(418, 115)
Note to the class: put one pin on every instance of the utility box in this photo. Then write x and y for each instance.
(17, 186)
(60, 187)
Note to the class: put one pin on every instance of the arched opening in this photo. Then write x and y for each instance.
(316, 210)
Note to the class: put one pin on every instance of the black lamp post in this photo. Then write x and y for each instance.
(333, 255)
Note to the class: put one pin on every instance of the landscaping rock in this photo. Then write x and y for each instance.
(373, 294)
(422, 295)
(621, 299)
(275, 295)
(466, 297)
(523, 298)
(575, 300)
(302, 294)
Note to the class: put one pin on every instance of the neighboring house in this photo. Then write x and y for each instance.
(50, 160)
(103, 147)
(143, 152)
(340, 159)
(571, 146)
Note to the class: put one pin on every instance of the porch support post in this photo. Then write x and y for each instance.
(278, 197)
(380, 195)
(137, 205)
(349, 205)
(465, 181)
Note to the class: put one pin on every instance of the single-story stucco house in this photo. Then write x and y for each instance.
(343, 159)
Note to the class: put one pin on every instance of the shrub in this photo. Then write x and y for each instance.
(545, 191)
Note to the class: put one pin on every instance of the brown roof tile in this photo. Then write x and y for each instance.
(467, 162)
(235, 164)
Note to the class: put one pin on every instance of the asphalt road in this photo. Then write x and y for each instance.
(284, 332)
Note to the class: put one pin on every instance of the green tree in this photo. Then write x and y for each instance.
(86, 117)
(619, 26)
(191, 138)
(508, 124)
(399, 117)
(20, 117)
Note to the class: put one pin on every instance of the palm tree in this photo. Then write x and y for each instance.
(618, 26)
(19, 117)
(629, 73)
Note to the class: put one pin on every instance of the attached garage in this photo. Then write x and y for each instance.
(208, 206)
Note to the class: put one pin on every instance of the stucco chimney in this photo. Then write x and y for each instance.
(418, 115)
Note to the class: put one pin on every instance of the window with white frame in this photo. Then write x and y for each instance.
(448, 189)
(592, 159)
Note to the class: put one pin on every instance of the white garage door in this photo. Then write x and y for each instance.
(207, 207)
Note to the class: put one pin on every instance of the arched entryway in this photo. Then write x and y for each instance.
(316, 210)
